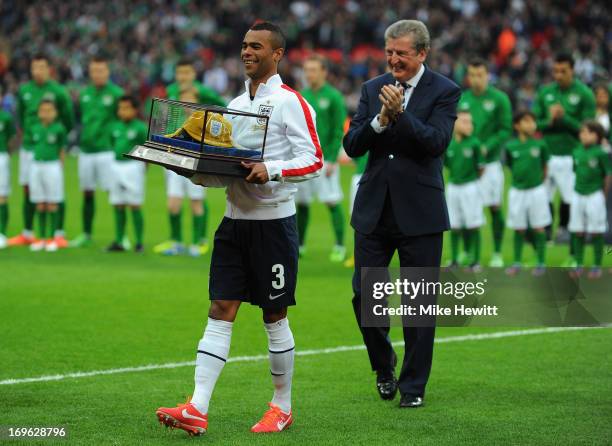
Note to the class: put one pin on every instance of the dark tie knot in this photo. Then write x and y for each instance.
(405, 85)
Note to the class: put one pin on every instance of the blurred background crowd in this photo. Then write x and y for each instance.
(144, 39)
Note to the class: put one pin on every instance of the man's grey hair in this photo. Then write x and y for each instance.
(413, 28)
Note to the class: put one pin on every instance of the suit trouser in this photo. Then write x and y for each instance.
(376, 250)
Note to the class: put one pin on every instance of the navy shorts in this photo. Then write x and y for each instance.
(255, 261)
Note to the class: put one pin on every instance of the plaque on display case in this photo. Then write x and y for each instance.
(193, 138)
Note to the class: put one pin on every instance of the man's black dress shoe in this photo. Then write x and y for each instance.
(386, 385)
(411, 401)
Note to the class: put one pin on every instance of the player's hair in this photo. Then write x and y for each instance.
(99, 58)
(414, 28)
(595, 127)
(316, 57)
(40, 56)
(278, 37)
(520, 114)
(478, 62)
(129, 98)
(185, 61)
(565, 57)
(46, 101)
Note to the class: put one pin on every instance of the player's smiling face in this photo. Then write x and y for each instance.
(258, 55)
(403, 60)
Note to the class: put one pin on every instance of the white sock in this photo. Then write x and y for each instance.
(213, 350)
(281, 349)
(27, 233)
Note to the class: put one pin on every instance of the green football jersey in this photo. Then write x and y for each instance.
(125, 135)
(7, 130)
(48, 141)
(464, 159)
(527, 161)
(360, 164)
(591, 166)
(578, 101)
(29, 96)
(98, 112)
(492, 116)
(206, 95)
(330, 109)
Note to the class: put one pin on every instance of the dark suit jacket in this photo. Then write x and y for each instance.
(406, 159)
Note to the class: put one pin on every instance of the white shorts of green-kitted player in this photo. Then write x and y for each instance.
(326, 188)
(465, 205)
(178, 186)
(492, 184)
(528, 208)
(127, 183)
(588, 213)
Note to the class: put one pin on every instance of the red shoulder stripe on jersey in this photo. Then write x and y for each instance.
(313, 135)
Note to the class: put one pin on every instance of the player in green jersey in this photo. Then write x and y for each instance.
(360, 166)
(98, 106)
(528, 207)
(187, 89)
(593, 182)
(127, 183)
(7, 131)
(29, 95)
(48, 138)
(465, 162)
(560, 108)
(492, 115)
(330, 110)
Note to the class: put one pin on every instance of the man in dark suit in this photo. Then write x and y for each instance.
(405, 121)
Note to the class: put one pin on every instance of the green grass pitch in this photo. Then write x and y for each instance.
(84, 310)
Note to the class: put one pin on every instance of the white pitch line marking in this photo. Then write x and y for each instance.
(322, 351)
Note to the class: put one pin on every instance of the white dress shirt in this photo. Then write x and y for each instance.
(412, 83)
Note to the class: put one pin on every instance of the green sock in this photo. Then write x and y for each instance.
(52, 223)
(138, 221)
(88, 213)
(519, 238)
(42, 225)
(198, 224)
(475, 245)
(467, 241)
(455, 238)
(120, 219)
(4, 215)
(598, 249)
(61, 214)
(540, 247)
(29, 210)
(176, 228)
(579, 249)
(303, 215)
(497, 224)
(572, 244)
(204, 231)
(337, 218)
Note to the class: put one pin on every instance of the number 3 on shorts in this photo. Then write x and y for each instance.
(279, 282)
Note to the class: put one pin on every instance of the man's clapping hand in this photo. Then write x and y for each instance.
(392, 99)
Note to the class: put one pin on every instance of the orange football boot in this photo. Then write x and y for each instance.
(60, 241)
(184, 416)
(21, 240)
(274, 420)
